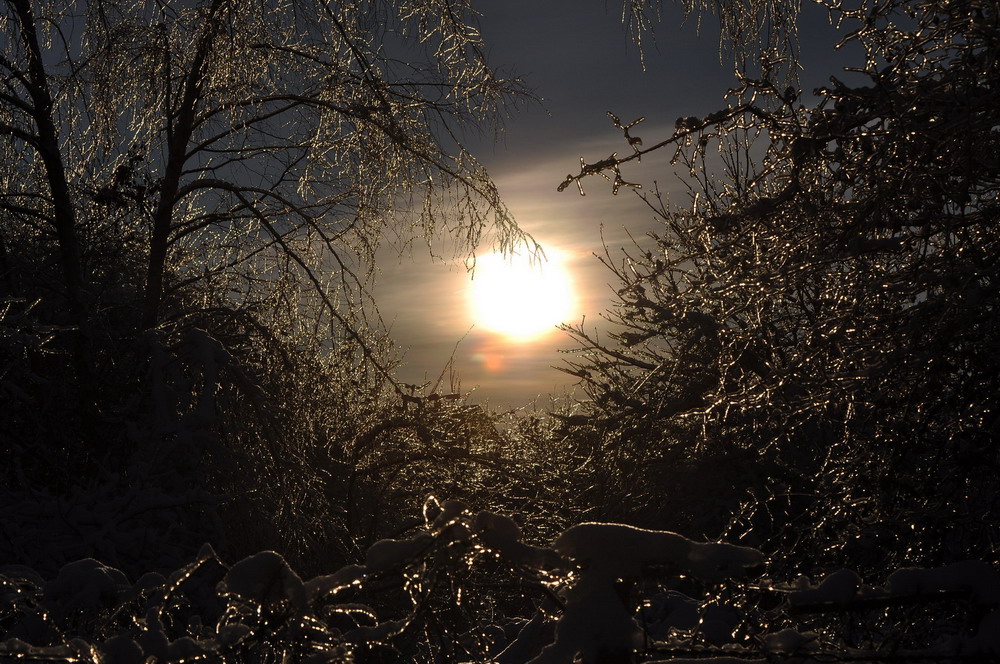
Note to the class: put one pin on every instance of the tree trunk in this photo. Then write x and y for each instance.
(179, 135)
(63, 213)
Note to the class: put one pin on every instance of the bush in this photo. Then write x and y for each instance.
(467, 588)
(804, 354)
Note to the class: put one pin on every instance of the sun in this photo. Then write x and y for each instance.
(520, 297)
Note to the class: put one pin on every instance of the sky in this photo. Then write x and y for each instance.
(576, 56)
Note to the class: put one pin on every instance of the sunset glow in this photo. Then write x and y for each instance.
(520, 298)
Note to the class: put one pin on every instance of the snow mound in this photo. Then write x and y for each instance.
(623, 551)
(839, 587)
(382, 556)
(790, 641)
(671, 610)
(346, 577)
(598, 622)
(501, 534)
(986, 640)
(388, 553)
(85, 586)
(974, 576)
(266, 579)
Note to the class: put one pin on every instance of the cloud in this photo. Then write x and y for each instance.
(424, 301)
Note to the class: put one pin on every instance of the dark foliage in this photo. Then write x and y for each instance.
(803, 360)
(466, 587)
(192, 198)
(805, 356)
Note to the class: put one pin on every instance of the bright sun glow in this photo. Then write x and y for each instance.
(520, 298)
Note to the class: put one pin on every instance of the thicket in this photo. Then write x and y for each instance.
(467, 588)
(192, 196)
(803, 357)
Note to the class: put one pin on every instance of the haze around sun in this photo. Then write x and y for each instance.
(519, 296)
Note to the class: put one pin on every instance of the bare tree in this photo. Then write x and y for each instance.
(217, 136)
(811, 339)
(754, 35)
(192, 195)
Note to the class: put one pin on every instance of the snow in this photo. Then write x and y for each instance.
(977, 578)
(85, 586)
(17, 646)
(598, 623)
(624, 550)
(266, 579)
(595, 625)
(344, 578)
(154, 643)
(21, 573)
(122, 650)
(495, 532)
(23, 651)
(839, 587)
(531, 638)
(712, 660)
(719, 623)
(596, 572)
(790, 641)
(501, 534)
(381, 557)
(451, 510)
(380, 633)
(388, 553)
(986, 640)
(149, 581)
(231, 633)
(671, 610)
(974, 576)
